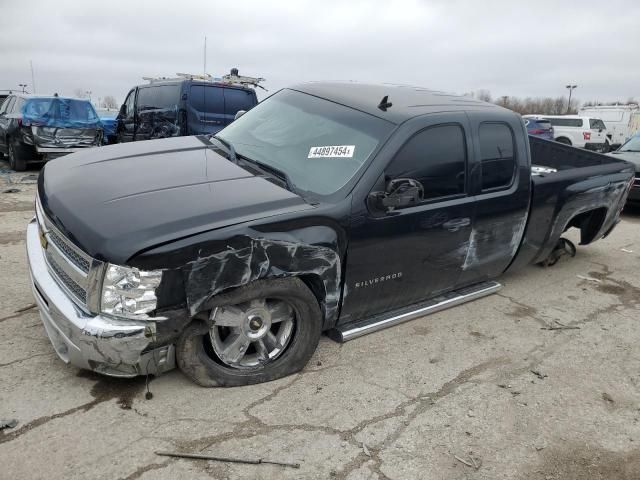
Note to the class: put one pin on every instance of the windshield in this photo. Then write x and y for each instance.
(596, 124)
(319, 145)
(633, 145)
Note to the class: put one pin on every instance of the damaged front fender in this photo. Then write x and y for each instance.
(248, 259)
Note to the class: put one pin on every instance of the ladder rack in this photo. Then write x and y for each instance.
(232, 78)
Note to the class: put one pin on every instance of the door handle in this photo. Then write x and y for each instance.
(456, 224)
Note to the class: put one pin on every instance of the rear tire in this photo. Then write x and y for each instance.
(200, 348)
(16, 161)
(563, 140)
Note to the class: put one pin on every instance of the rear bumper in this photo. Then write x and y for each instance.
(112, 347)
(59, 150)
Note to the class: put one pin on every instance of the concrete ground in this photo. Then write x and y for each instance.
(481, 391)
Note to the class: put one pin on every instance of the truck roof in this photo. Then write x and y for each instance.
(407, 101)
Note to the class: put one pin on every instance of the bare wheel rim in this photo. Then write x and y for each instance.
(251, 334)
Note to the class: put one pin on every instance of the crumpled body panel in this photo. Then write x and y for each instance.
(247, 259)
(57, 137)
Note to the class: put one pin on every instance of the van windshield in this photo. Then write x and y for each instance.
(318, 144)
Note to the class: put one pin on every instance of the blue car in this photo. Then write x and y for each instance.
(108, 120)
(539, 128)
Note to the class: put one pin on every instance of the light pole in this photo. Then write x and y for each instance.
(23, 86)
(570, 87)
(88, 92)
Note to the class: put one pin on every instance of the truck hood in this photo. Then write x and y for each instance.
(114, 202)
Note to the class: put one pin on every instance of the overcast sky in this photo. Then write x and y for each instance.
(507, 47)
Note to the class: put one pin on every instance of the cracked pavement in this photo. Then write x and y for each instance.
(481, 391)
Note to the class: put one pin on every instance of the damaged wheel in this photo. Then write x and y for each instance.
(257, 333)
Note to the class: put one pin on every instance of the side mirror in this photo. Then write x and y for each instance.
(239, 113)
(399, 193)
(123, 109)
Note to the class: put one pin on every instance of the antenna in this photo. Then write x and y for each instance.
(385, 103)
(204, 70)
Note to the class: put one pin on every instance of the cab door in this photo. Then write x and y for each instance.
(406, 255)
(501, 184)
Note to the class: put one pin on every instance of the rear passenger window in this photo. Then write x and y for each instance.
(235, 100)
(436, 157)
(207, 99)
(565, 122)
(497, 155)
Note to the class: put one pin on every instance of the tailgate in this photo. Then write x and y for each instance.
(61, 137)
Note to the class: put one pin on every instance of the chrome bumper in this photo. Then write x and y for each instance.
(93, 342)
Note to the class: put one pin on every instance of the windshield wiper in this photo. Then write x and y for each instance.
(273, 171)
(229, 146)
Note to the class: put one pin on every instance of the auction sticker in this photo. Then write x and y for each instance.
(332, 151)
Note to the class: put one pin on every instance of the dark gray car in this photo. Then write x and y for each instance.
(630, 151)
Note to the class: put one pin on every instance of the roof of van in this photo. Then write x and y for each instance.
(176, 81)
(406, 101)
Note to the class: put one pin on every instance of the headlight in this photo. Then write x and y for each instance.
(129, 292)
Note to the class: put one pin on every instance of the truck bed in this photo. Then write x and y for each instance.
(587, 191)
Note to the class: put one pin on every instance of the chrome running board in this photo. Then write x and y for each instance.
(348, 332)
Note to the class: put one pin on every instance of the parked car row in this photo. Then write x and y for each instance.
(35, 128)
(575, 130)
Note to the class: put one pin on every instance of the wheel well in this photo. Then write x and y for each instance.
(589, 223)
(564, 140)
(314, 283)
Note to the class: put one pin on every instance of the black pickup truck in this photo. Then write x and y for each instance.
(342, 208)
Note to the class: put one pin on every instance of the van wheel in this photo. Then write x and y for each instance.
(260, 332)
(563, 140)
(16, 162)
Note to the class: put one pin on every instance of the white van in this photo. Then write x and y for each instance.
(617, 118)
(578, 131)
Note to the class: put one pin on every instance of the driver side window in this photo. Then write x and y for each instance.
(436, 157)
(130, 102)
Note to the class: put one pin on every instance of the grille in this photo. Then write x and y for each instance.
(70, 284)
(71, 268)
(69, 252)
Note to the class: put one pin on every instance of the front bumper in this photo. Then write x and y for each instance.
(118, 348)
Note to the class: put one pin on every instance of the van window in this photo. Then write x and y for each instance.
(497, 155)
(8, 104)
(5, 105)
(596, 124)
(436, 157)
(161, 97)
(206, 98)
(565, 122)
(235, 100)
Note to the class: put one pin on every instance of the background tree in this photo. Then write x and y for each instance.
(109, 101)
